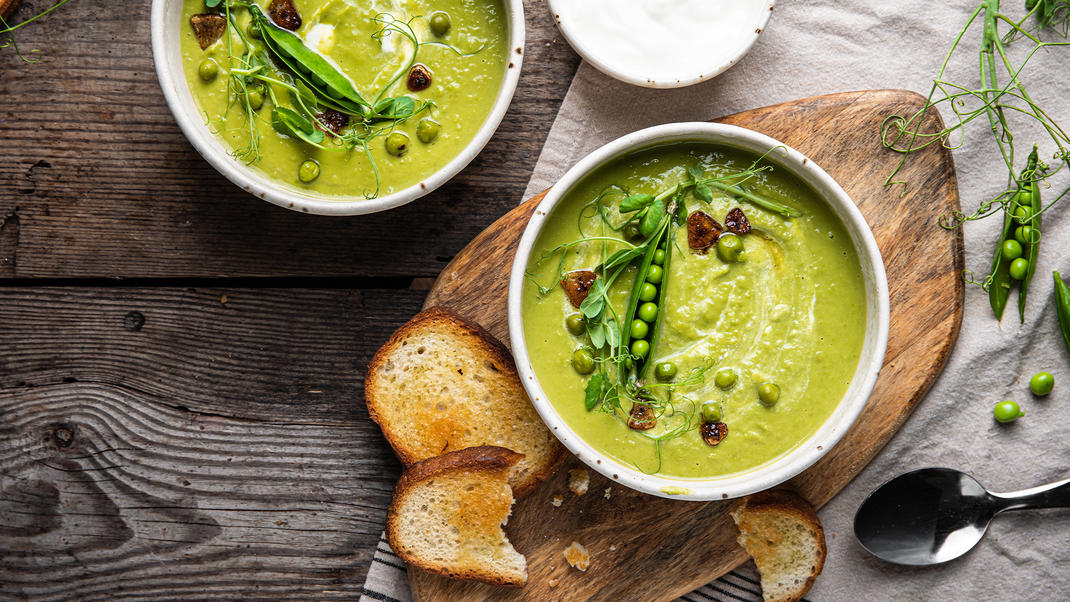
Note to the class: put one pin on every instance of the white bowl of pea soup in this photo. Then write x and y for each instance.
(336, 107)
(698, 312)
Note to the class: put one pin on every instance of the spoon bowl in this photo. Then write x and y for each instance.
(934, 515)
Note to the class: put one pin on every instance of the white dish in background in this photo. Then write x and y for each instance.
(165, 25)
(874, 344)
(662, 43)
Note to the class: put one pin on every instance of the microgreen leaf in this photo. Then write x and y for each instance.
(613, 335)
(623, 256)
(594, 303)
(696, 173)
(597, 332)
(593, 392)
(703, 192)
(293, 124)
(212, 3)
(652, 218)
(635, 202)
(304, 95)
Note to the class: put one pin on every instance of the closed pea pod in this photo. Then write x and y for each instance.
(1062, 306)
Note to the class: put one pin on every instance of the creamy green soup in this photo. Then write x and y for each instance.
(792, 313)
(467, 65)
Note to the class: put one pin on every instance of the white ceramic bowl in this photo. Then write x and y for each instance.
(653, 54)
(874, 343)
(166, 28)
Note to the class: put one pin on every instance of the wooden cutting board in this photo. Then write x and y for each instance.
(652, 549)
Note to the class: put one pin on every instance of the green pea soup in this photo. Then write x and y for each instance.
(793, 313)
(463, 88)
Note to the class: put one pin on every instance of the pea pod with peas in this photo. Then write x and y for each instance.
(1019, 243)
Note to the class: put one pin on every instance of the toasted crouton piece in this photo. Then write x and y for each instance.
(447, 516)
(442, 383)
(284, 14)
(780, 530)
(208, 28)
(578, 480)
(578, 556)
(8, 8)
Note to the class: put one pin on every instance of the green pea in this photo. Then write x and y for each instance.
(574, 324)
(654, 274)
(647, 312)
(725, 378)
(632, 232)
(256, 99)
(1019, 268)
(1023, 234)
(254, 31)
(1007, 411)
(639, 329)
(730, 248)
(711, 412)
(310, 170)
(397, 143)
(640, 348)
(665, 371)
(583, 361)
(768, 394)
(427, 130)
(659, 257)
(440, 23)
(208, 70)
(1023, 212)
(1042, 383)
(1012, 249)
(648, 292)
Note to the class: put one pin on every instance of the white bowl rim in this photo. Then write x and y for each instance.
(804, 454)
(215, 152)
(590, 54)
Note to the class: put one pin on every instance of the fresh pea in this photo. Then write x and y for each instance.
(427, 130)
(639, 329)
(631, 232)
(256, 99)
(397, 143)
(768, 394)
(575, 324)
(208, 70)
(440, 23)
(310, 170)
(254, 30)
(1019, 268)
(1023, 234)
(583, 361)
(730, 248)
(640, 348)
(1012, 249)
(1007, 411)
(1042, 383)
(665, 371)
(711, 412)
(655, 273)
(648, 312)
(725, 378)
(659, 256)
(648, 292)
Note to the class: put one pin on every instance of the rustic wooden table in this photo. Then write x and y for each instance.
(181, 364)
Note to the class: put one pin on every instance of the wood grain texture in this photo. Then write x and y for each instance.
(162, 444)
(96, 179)
(662, 548)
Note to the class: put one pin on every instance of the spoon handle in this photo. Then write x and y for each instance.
(1053, 495)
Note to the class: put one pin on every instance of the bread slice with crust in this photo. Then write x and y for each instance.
(8, 8)
(442, 383)
(447, 516)
(781, 531)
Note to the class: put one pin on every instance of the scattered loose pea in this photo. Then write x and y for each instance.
(648, 292)
(1007, 411)
(647, 312)
(256, 99)
(665, 371)
(768, 394)
(575, 324)
(640, 348)
(632, 232)
(1042, 383)
(208, 70)
(1012, 249)
(310, 170)
(427, 130)
(440, 23)
(639, 329)
(725, 378)
(582, 361)
(397, 143)
(1019, 268)
(659, 257)
(730, 248)
(254, 31)
(711, 412)
(654, 274)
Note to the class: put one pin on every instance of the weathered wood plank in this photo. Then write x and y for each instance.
(96, 180)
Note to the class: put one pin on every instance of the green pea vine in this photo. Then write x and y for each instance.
(9, 30)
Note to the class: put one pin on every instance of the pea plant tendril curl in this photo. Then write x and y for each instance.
(8, 30)
(1001, 99)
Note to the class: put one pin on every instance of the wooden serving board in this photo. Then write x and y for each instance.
(652, 549)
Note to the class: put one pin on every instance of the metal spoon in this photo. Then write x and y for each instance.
(933, 515)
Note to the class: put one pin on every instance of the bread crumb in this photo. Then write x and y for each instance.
(553, 583)
(578, 481)
(577, 556)
(608, 489)
(612, 548)
(557, 501)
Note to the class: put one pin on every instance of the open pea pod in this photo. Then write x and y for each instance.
(999, 288)
(1031, 249)
(662, 236)
(311, 67)
(1062, 306)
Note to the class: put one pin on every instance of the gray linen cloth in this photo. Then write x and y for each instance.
(826, 46)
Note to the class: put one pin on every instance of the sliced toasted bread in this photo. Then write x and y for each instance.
(442, 383)
(447, 516)
(8, 8)
(782, 533)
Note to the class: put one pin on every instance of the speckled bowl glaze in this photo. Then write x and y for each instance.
(597, 56)
(166, 28)
(874, 343)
